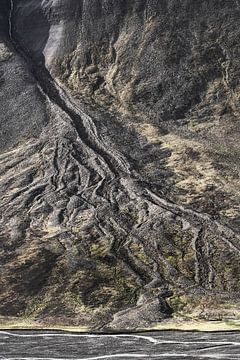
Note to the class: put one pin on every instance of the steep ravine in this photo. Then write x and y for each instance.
(85, 236)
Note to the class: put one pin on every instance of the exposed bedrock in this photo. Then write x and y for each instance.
(118, 216)
(156, 57)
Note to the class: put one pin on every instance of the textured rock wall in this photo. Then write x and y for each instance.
(153, 57)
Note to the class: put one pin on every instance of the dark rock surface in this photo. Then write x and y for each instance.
(119, 161)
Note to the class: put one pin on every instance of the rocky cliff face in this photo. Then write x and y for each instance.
(157, 56)
(119, 161)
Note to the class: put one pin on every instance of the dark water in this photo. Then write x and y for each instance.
(37, 345)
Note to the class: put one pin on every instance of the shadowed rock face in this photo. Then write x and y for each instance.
(4, 18)
(119, 161)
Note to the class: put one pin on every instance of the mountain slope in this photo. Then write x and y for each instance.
(119, 161)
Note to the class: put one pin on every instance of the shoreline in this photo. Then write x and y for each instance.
(11, 324)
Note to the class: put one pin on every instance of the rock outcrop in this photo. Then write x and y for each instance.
(119, 161)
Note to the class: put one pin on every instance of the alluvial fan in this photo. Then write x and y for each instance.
(119, 161)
